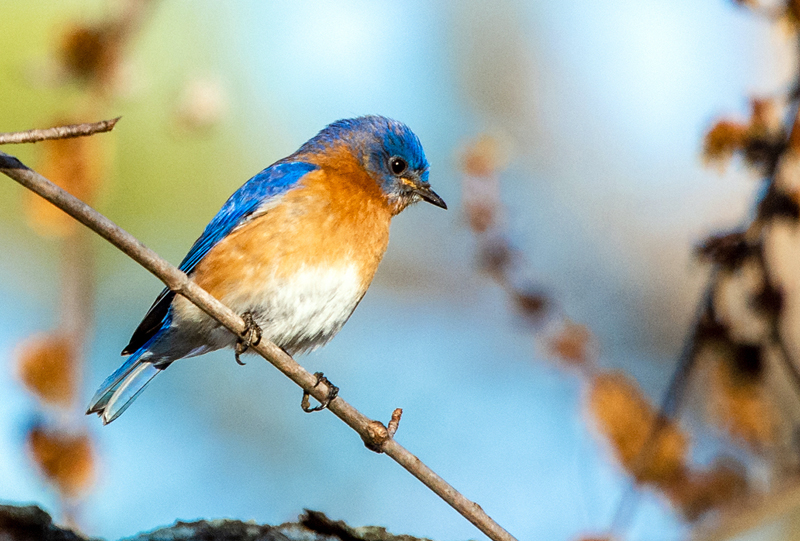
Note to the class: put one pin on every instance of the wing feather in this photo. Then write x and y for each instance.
(243, 205)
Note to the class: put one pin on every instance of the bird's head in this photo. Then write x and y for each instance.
(392, 155)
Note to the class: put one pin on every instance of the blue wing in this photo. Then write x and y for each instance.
(256, 192)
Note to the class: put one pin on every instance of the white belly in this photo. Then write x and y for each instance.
(299, 313)
(304, 311)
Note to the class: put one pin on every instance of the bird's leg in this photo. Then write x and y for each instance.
(251, 336)
(333, 392)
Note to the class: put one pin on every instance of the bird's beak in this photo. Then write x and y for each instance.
(430, 196)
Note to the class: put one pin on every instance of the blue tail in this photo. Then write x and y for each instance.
(122, 387)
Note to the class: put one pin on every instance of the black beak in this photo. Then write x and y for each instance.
(430, 196)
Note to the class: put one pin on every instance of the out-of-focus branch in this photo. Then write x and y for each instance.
(58, 132)
(23, 523)
(375, 434)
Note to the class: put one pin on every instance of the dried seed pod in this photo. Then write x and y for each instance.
(531, 303)
(570, 343)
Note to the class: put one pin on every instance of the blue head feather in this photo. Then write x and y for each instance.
(387, 149)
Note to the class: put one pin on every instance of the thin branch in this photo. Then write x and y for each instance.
(374, 433)
(59, 132)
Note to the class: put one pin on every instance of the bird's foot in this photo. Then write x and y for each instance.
(251, 336)
(333, 392)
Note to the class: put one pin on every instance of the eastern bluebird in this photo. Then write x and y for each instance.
(294, 249)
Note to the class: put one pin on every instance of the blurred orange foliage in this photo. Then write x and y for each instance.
(75, 165)
(66, 460)
(626, 419)
(46, 365)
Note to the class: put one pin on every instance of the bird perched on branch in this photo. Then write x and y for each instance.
(293, 251)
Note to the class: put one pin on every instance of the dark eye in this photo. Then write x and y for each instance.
(397, 165)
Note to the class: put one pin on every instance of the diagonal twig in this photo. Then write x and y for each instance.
(375, 434)
(59, 132)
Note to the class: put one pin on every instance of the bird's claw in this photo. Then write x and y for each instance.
(333, 392)
(251, 336)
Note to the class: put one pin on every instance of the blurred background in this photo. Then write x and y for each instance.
(599, 111)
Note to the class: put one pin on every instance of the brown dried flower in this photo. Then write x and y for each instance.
(723, 140)
(65, 460)
(46, 366)
(700, 492)
(625, 418)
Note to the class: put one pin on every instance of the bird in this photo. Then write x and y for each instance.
(293, 251)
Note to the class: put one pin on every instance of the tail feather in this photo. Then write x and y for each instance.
(122, 387)
(127, 391)
(107, 388)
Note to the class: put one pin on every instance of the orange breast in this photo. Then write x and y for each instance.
(338, 217)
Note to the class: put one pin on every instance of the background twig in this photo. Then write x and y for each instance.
(58, 132)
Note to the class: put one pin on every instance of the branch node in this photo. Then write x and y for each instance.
(376, 435)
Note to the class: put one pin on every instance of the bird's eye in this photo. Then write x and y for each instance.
(397, 165)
